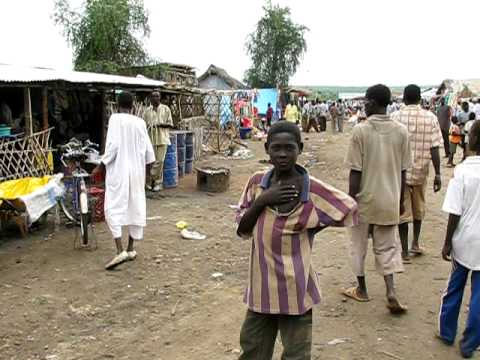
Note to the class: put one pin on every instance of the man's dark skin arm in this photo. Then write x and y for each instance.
(453, 221)
(437, 183)
(354, 183)
(402, 191)
(249, 219)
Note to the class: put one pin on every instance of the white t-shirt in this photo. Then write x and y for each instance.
(476, 110)
(466, 130)
(463, 199)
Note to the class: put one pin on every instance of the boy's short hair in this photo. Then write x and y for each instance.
(284, 126)
(475, 135)
(125, 100)
(454, 120)
(380, 93)
(471, 116)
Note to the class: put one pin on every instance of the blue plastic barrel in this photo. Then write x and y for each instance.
(170, 167)
(189, 153)
(4, 131)
(181, 153)
(245, 133)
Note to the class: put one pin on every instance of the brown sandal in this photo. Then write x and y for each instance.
(352, 294)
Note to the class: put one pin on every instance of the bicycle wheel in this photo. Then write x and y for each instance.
(69, 202)
(84, 225)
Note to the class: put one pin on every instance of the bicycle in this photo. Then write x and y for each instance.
(76, 204)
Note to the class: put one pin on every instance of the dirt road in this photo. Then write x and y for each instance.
(59, 303)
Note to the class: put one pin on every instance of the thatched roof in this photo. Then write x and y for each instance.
(221, 73)
(299, 90)
(462, 88)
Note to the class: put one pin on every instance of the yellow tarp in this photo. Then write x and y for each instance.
(13, 189)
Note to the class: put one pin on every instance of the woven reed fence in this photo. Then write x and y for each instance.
(25, 156)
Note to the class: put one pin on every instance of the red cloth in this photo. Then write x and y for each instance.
(246, 122)
(269, 113)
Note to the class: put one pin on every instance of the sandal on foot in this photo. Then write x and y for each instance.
(352, 293)
(396, 308)
(418, 252)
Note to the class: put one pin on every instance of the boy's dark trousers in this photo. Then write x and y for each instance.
(451, 305)
(259, 332)
(323, 123)
(312, 122)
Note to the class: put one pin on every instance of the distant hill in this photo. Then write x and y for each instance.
(354, 89)
(333, 92)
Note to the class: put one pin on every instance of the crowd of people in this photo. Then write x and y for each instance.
(282, 209)
(315, 114)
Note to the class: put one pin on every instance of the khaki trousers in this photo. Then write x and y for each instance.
(386, 247)
(414, 203)
(156, 172)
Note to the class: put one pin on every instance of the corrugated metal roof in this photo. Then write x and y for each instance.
(20, 74)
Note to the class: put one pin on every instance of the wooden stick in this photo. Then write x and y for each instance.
(174, 309)
(27, 109)
(393, 356)
(103, 122)
(45, 107)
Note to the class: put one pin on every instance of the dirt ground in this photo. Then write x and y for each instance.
(60, 303)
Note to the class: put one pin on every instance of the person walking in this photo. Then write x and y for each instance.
(312, 117)
(455, 139)
(341, 110)
(158, 118)
(378, 158)
(444, 115)
(334, 116)
(127, 156)
(323, 114)
(269, 115)
(291, 113)
(425, 139)
(462, 248)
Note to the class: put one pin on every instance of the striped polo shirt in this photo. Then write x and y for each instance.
(281, 277)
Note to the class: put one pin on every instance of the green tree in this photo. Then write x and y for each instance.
(275, 47)
(105, 35)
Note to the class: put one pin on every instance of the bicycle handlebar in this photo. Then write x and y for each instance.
(74, 149)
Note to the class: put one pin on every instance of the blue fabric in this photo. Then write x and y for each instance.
(264, 97)
(451, 306)
(226, 114)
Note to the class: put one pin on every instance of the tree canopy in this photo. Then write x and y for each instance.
(275, 47)
(105, 35)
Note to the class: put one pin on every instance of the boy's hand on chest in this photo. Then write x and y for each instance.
(279, 194)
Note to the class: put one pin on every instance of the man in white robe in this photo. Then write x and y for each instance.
(128, 153)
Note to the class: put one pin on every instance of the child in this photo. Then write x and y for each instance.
(466, 131)
(282, 210)
(462, 247)
(455, 139)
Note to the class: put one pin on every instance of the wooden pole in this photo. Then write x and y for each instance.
(180, 107)
(103, 121)
(27, 109)
(45, 107)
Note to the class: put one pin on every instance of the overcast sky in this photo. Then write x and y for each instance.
(350, 42)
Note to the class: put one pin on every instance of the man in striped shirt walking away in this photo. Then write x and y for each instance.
(282, 210)
(378, 157)
(425, 140)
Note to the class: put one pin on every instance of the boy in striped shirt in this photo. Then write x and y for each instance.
(282, 210)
